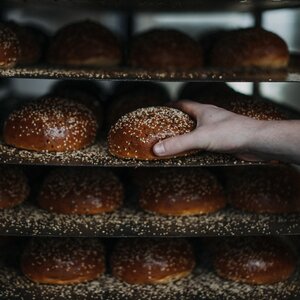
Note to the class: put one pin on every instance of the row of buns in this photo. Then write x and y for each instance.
(69, 117)
(88, 43)
(170, 192)
(61, 261)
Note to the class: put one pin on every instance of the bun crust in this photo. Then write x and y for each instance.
(251, 47)
(152, 261)
(132, 96)
(30, 47)
(165, 49)
(51, 124)
(182, 192)
(81, 191)
(273, 190)
(10, 49)
(63, 261)
(85, 44)
(254, 260)
(134, 135)
(14, 188)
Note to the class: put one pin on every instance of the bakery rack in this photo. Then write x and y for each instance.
(28, 220)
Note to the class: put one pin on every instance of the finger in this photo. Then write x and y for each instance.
(176, 145)
(190, 107)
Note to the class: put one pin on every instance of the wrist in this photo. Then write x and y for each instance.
(254, 131)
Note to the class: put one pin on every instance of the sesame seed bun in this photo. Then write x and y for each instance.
(134, 134)
(30, 46)
(165, 49)
(51, 124)
(220, 94)
(10, 49)
(14, 188)
(152, 261)
(88, 93)
(250, 47)
(81, 191)
(63, 260)
(85, 43)
(254, 260)
(131, 96)
(181, 192)
(273, 190)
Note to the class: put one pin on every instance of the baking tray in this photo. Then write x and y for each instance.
(292, 74)
(203, 284)
(163, 5)
(29, 220)
(97, 155)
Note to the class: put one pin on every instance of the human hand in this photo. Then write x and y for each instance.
(217, 130)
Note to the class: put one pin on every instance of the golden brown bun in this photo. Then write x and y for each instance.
(86, 92)
(152, 261)
(81, 191)
(214, 93)
(220, 94)
(181, 192)
(51, 124)
(131, 96)
(273, 190)
(85, 44)
(256, 109)
(14, 188)
(254, 260)
(63, 260)
(134, 135)
(10, 49)
(251, 47)
(30, 47)
(165, 49)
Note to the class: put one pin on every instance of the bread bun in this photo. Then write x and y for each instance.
(165, 49)
(51, 124)
(272, 190)
(130, 96)
(254, 260)
(134, 134)
(63, 260)
(250, 47)
(214, 93)
(182, 192)
(85, 92)
(30, 46)
(81, 191)
(85, 44)
(10, 49)
(220, 94)
(14, 188)
(256, 109)
(152, 261)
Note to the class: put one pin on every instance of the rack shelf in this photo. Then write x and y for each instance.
(168, 5)
(126, 74)
(97, 155)
(203, 284)
(28, 220)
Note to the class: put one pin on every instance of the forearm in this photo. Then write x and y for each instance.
(276, 140)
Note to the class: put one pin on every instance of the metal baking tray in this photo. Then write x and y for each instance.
(170, 5)
(29, 220)
(203, 284)
(97, 155)
(292, 74)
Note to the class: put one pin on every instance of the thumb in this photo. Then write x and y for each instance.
(176, 145)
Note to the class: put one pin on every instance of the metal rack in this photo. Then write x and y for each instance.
(28, 220)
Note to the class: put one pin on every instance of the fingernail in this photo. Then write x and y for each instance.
(159, 149)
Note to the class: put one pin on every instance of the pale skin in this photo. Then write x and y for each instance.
(219, 130)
